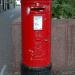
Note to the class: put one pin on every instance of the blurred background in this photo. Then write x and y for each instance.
(63, 37)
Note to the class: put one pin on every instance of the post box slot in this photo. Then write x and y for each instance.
(37, 9)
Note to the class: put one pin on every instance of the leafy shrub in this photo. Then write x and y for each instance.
(64, 8)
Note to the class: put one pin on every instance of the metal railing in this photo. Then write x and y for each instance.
(6, 5)
(1, 7)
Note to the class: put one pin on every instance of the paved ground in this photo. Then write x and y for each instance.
(6, 49)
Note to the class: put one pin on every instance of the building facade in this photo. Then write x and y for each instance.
(6, 4)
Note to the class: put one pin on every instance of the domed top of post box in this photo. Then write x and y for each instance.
(34, 1)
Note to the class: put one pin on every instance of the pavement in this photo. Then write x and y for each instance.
(6, 49)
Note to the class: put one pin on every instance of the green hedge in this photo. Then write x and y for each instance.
(63, 8)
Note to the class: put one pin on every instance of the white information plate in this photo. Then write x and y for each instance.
(37, 23)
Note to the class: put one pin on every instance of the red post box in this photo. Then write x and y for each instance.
(36, 37)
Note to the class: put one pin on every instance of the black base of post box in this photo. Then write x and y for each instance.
(35, 71)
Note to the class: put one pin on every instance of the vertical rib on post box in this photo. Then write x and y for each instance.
(36, 37)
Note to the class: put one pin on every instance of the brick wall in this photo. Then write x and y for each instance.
(63, 45)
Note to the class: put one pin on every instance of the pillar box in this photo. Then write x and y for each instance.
(36, 37)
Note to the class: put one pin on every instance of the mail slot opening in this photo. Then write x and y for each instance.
(37, 9)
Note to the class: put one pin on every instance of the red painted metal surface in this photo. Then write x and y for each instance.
(36, 33)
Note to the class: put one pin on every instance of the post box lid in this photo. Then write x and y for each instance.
(33, 1)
